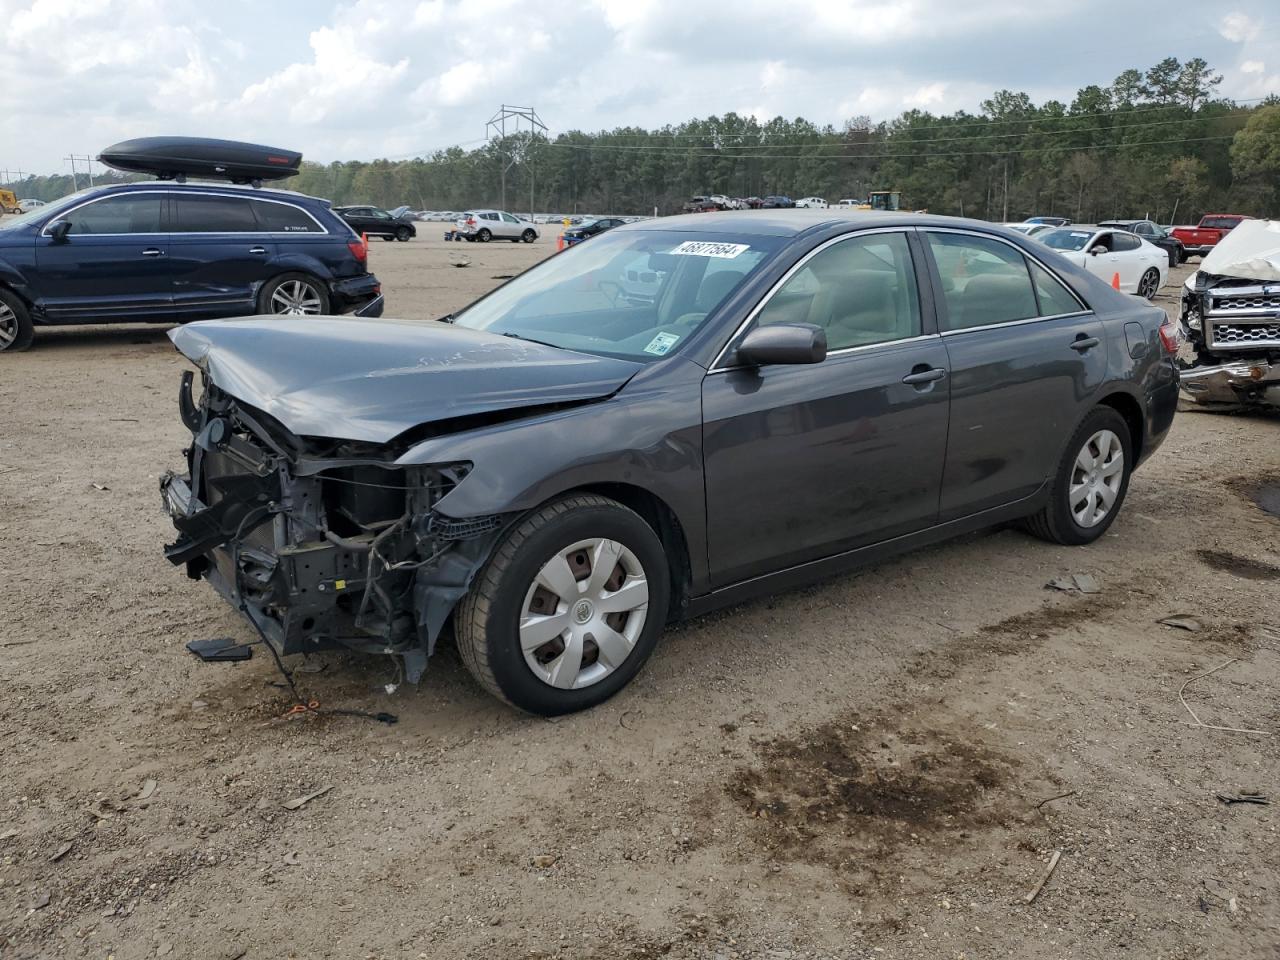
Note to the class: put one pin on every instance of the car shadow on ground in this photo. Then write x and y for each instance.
(53, 338)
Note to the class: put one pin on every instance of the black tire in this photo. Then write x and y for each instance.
(484, 236)
(1149, 284)
(402, 234)
(528, 236)
(1055, 522)
(486, 623)
(16, 329)
(270, 288)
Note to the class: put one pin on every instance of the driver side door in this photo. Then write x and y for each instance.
(807, 461)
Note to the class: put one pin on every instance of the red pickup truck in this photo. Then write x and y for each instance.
(1213, 227)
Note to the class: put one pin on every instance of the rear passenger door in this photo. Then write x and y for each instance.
(1026, 358)
(221, 254)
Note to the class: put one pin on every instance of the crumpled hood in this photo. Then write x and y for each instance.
(357, 379)
(1251, 251)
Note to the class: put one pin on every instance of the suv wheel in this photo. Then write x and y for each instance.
(402, 234)
(528, 236)
(16, 331)
(484, 236)
(568, 608)
(1090, 483)
(293, 295)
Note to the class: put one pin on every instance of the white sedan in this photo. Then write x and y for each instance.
(1141, 267)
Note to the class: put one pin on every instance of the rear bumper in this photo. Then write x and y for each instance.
(360, 295)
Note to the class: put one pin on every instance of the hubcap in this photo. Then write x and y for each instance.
(295, 298)
(583, 613)
(1096, 478)
(8, 326)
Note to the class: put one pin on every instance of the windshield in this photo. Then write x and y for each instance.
(636, 295)
(1065, 239)
(48, 210)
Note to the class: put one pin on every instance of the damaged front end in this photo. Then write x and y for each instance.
(1231, 320)
(320, 543)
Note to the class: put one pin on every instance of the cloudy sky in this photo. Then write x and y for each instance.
(358, 79)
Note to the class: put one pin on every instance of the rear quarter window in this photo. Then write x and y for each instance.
(284, 218)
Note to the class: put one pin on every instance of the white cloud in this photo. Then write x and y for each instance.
(1239, 27)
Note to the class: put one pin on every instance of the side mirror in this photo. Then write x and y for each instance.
(1094, 251)
(783, 343)
(59, 230)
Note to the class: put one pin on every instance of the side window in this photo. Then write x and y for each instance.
(983, 281)
(130, 213)
(206, 213)
(509, 218)
(283, 218)
(1125, 241)
(861, 291)
(491, 216)
(1145, 229)
(382, 215)
(1055, 299)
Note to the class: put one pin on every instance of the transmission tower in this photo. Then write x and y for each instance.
(504, 132)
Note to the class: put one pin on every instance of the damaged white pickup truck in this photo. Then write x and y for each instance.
(1231, 318)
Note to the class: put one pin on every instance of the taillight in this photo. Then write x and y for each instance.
(359, 250)
(471, 222)
(1169, 337)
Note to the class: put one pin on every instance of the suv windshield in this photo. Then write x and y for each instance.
(637, 295)
(1065, 239)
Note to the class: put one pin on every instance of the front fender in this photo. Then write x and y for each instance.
(648, 436)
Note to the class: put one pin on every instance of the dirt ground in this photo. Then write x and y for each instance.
(877, 767)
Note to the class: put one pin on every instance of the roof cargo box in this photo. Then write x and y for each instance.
(176, 158)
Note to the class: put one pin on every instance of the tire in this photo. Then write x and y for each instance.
(16, 329)
(488, 622)
(484, 236)
(528, 236)
(305, 292)
(1149, 284)
(402, 234)
(1059, 521)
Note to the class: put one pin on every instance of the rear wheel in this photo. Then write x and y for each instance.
(1090, 483)
(1149, 284)
(568, 608)
(16, 330)
(293, 295)
(484, 236)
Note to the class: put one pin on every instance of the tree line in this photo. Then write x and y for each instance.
(1156, 143)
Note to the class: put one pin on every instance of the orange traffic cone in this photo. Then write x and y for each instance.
(1115, 280)
(560, 242)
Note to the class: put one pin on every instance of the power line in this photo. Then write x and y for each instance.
(898, 156)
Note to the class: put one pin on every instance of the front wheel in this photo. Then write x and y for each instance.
(568, 608)
(528, 236)
(1149, 284)
(484, 236)
(293, 295)
(402, 234)
(16, 330)
(1090, 483)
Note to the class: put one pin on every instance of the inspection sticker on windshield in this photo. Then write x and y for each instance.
(705, 248)
(662, 343)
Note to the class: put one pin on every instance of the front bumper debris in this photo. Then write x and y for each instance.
(320, 544)
(1240, 382)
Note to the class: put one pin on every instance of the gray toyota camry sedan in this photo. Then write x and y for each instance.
(681, 414)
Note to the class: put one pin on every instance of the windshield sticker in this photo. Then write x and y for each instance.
(704, 248)
(662, 343)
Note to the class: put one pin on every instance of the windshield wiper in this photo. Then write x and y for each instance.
(517, 336)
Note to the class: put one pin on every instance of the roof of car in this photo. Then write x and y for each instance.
(791, 222)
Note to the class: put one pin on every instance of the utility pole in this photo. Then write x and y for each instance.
(1005, 218)
(508, 123)
(88, 161)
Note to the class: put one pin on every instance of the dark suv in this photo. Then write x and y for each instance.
(170, 252)
(376, 222)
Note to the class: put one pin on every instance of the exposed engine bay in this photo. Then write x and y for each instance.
(320, 543)
(1231, 319)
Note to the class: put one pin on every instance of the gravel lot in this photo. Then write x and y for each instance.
(860, 769)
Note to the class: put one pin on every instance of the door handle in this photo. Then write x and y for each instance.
(1082, 343)
(924, 376)
(257, 249)
(152, 252)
